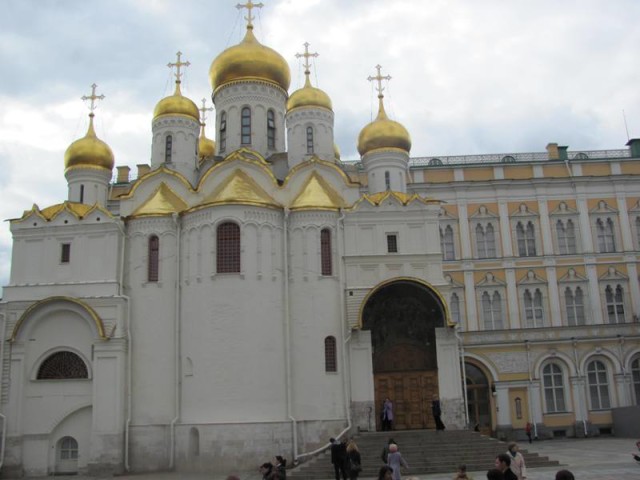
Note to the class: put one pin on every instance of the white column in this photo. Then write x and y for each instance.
(585, 226)
(622, 391)
(625, 226)
(463, 225)
(579, 401)
(554, 297)
(634, 287)
(472, 323)
(512, 299)
(536, 403)
(505, 229)
(502, 405)
(594, 295)
(545, 228)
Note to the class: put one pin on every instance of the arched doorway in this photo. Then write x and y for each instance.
(66, 456)
(478, 398)
(402, 316)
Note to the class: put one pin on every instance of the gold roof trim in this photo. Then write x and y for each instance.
(240, 188)
(92, 313)
(313, 160)
(78, 210)
(163, 201)
(153, 173)
(376, 199)
(244, 155)
(317, 194)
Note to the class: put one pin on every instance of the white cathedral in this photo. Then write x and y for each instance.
(256, 295)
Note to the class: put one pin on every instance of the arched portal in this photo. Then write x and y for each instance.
(403, 316)
(478, 398)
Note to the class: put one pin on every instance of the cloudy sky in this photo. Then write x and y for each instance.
(468, 76)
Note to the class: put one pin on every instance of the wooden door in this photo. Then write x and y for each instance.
(411, 394)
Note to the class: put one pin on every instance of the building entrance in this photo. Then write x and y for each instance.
(402, 316)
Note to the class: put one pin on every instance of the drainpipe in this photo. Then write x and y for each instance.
(127, 424)
(287, 333)
(176, 335)
(464, 375)
(4, 418)
(535, 424)
(583, 412)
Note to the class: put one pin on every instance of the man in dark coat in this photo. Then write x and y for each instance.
(339, 458)
(503, 463)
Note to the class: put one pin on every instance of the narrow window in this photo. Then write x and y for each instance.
(246, 126)
(635, 374)
(194, 442)
(62, 366)
(309, 139)
(325, 252)
(526, 239)
(575, 306)
(222, 141)
(454, 308)
(168, 146)
(566, 235)
(598, 385)
(485, 241)
(330, 355)
(228, 248)
(271, 129)
(606, 239)
(81, 193)
(615, 304)
(446, 243)
(490, 241)
(153, 259)
(553, 383)
(518, 405)
(392, 243)
(65, 253)
(387, 180)
(492, 311)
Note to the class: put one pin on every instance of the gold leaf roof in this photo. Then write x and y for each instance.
(163, 201)
(240, 188)
(317, 194)
(403, 198)
(78, 210)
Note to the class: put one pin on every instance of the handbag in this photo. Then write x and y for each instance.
(354, 466)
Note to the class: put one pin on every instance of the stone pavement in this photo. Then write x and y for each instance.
(603, 458)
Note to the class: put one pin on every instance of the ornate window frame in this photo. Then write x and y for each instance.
(525, 220)
(483, 218)
(492, 286)
(535, 288)
(600, 218)
(572, 280)
(609, 283)
(564, 213)
(447, 221)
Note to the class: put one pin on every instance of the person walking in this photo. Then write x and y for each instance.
(385, 450)
(339, 458)
(503, 463)
(436, 410)
(354, 461)
(387, 415)
(517, 461)
(395, 461)
(527, 430)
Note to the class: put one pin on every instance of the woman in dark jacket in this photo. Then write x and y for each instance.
(354, 464)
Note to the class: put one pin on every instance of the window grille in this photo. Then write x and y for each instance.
(309, 140)
(228, 248)
(153, 259)
(553, 382)
(246, 126)
(62, 365)
(392, 244)
(325, 252)
(168, 147)
(330, 355)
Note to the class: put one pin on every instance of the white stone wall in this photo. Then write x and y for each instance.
(184, 133)
(378, 162)
(321, 120)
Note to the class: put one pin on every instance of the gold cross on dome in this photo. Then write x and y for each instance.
(306, 56)
(249, 6)
(204, 110)
(379, 79)
(93, 97)
(178, 64)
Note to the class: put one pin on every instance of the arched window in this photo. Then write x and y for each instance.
(615, 304)
(606, 238)
(194, 442)
(454, 308)
(508, 159)
(526, 239)
(553, 384)
(168, 147)
(446, 243)
(68, 448)
(62, 366)
(330, 355)
(566, 235)
(434, 162)
(598, 385)
(574, 303)
(153, 259)
(492, 311)
(533, 309)
(81, 193)
(271, 129)
(387, 180)
(485, 241)
(635, 374)
(228, 248)
(325, 252)
(222, 140)
(309, 139)
(246, 126)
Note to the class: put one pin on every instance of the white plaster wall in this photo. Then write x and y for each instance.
(378, 162)
(321, 120)
(95, 183)
(184, 133)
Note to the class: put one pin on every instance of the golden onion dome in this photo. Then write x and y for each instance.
(177, 104)
(206, 146)
(249, 60)
(383, 133)
(309, 96)
(89, 151)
